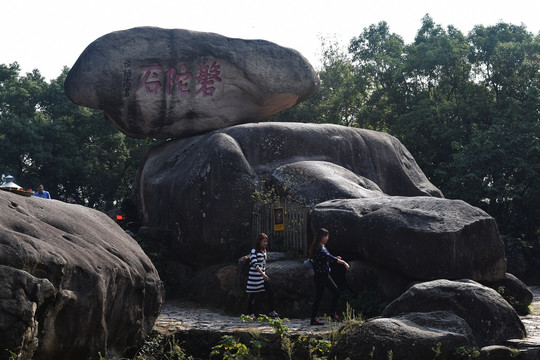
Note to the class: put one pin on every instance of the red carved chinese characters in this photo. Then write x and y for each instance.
(178, 80)
(153, 86)
(207, 76)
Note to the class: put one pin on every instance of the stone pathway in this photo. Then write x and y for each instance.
(183, 316)
(531, 344)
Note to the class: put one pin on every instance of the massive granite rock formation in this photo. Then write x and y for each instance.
(72, 282)
(200, 189)
(167, 83)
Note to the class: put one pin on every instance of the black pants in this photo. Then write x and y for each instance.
(253, 296)
(323, 281)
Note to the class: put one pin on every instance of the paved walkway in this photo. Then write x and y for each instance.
(183, 316)
(532, 322)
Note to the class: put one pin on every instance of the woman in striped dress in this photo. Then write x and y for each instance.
(258, 281)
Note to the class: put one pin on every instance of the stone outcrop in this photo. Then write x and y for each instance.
(72, 283)
(313, 182)
(225, 287)
(407, 337)
(421, 238)
(365, 276)
(491, 318)
(434, 320)
(201, 189)
(169, 83)
(514, 291)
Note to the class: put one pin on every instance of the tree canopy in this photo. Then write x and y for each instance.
(46, 139)
(466, 106)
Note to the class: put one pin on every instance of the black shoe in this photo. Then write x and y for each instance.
(316, 322)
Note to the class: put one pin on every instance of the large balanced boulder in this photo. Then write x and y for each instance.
(491, 318)
(201, 190)
(72, 283)
(168, 83)
(419, 237)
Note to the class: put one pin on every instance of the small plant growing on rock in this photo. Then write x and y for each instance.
(12, 355)
(437, 351)
(230, 348)
(464, 352)
(277, 325)
(521, 308)
(162, 348)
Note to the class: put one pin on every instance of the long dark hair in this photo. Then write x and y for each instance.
(322, 232)
(260, 238)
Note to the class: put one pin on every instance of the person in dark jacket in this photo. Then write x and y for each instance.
(322, 259)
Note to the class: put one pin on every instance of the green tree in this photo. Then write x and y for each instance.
(71, 149)
(379, 58)
(437, 108)
(340, 97)
(497, 168)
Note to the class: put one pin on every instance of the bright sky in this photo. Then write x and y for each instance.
(50, 34)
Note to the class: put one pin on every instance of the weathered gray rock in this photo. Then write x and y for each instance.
(514, 291)
(491, 318)
(313, 182)
(422, 238)
(21, 294)
(499, 352)
(168, 83)
(201, 189)
(365, 276)
(72, 283)
(410, 336)
(225, 287)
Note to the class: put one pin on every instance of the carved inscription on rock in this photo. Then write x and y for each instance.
(170, 83)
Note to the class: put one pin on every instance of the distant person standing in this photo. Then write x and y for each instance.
(72, 199)
(42, 193)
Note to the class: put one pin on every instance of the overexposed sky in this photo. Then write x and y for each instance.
(50, 34)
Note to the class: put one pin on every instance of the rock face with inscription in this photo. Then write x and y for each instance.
(170, 83)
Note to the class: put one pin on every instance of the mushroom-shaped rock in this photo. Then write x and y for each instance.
(72, 283)
(167, 83)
